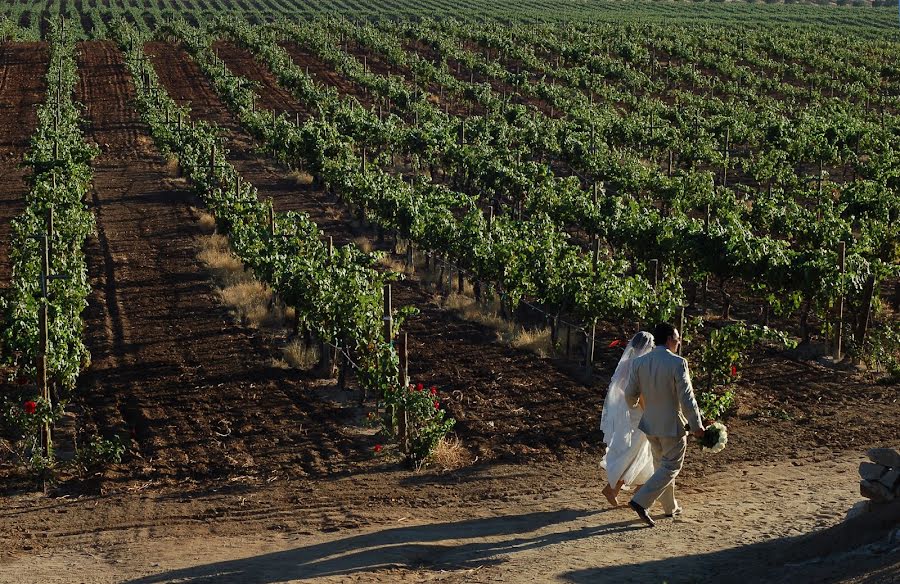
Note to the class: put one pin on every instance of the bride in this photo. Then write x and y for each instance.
(628, 460)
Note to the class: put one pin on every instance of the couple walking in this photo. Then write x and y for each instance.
(650, 399)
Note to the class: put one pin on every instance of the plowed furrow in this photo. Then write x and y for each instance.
(23, 86)
(170, 368)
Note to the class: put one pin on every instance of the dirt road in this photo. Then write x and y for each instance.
(541, 524)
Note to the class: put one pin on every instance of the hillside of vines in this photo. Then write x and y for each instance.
(282, 271)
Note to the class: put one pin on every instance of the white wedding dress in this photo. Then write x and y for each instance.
(628, 457)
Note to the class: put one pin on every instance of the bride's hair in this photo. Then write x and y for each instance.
(642, 340)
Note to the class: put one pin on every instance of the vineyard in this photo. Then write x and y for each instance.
(256, 248)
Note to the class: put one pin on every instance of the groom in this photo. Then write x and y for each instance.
(662, 378)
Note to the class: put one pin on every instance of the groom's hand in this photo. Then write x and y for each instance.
(698, 433)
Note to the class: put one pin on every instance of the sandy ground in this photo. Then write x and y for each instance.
(737, 526)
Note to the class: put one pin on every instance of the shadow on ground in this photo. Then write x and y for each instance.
(427, 547)
(861, 550)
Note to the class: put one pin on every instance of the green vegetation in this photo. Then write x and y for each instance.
(852, 17)
(60, 162)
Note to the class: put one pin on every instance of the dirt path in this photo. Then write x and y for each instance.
(198, 395)
(544, 525)
(22, 87)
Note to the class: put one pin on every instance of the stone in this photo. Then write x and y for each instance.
(875, 491)
(871, 471)
(858, 510)
(885, 457)
(891, 480)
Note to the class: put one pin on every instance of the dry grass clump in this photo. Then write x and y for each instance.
(396, 266)
(483, 314)
(536, 340)
(226, 268)
(450, 454)
(465, 305)
(468, 288)
(249, 300)
(333, 212)
(173, 167)
(206, 221)
(280, 364)
(298, 356)
(364, 244)
(302, 178)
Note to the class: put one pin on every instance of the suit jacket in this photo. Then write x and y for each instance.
(663, 379)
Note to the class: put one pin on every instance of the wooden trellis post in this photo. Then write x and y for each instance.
(726, 152)
(43, 331)
(839, 325)
(51, 230)
(388, 318)
(863, 324)
(591, 343)
(402, 415)
(706, 223)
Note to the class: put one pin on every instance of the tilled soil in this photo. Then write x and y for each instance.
(198, 395)
(23, 85)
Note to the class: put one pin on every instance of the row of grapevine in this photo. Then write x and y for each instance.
(525, 258)
(43, 305)
(740, 263)
(734, 17)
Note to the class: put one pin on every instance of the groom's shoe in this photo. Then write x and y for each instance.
(642, 513)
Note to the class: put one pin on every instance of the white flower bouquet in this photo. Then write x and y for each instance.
(714, 438)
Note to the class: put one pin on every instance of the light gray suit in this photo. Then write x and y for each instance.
(662, 377)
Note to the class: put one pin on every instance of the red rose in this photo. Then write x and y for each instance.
(420, 387)
(437, 405)
(734, 371)
(30, 407)
(433, 390)
(377, 448)
(616, 343)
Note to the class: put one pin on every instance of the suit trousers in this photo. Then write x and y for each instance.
(668, 458)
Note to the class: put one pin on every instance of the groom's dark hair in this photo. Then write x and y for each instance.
(662, 332)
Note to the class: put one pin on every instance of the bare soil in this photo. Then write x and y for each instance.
(198, 395)
(539, 522)
(23, 86)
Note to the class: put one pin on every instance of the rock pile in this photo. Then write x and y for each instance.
(880, 479)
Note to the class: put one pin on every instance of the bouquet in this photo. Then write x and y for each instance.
(714, 438)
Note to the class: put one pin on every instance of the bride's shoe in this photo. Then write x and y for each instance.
(610, 495)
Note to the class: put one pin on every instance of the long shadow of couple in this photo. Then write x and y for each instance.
(433, 546)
